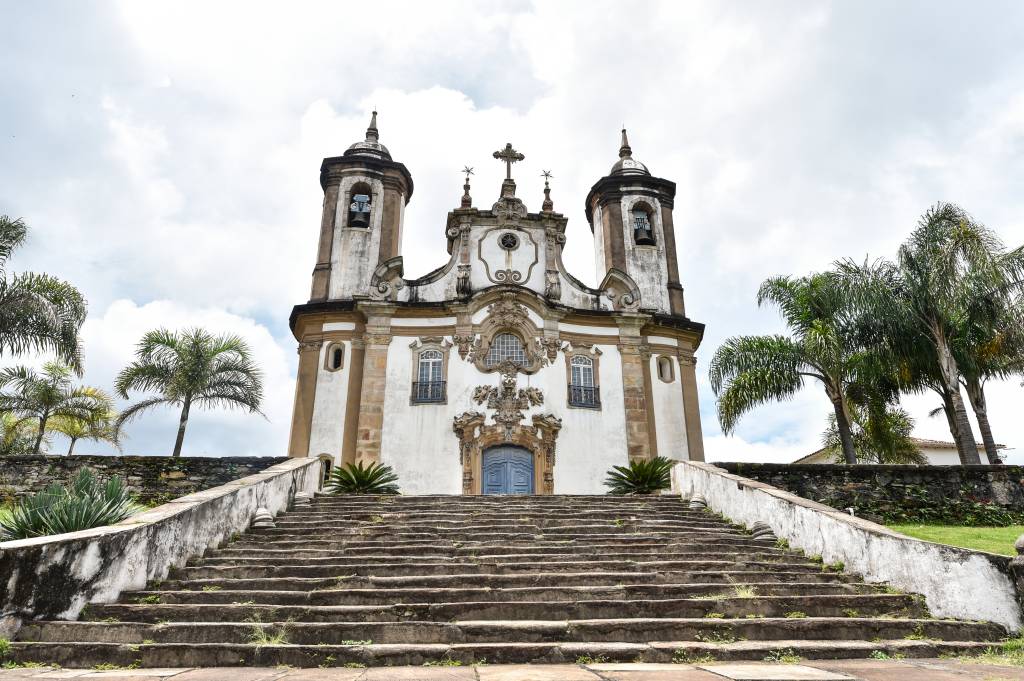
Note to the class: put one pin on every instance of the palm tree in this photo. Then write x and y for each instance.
(102, 429)
(37, 397)
(15, 438)
(747, 371)
(950, 276)
(881, 434)
(38, 313)
(191, 368)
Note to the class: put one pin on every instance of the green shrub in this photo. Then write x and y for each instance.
(645, 476)
(84, 503)
(357, 479)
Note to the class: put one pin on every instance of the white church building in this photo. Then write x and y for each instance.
(499, 372)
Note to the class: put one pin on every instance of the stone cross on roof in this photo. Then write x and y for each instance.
(509, 156)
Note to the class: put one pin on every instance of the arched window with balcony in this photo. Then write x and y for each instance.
(429, 386)
(583, 389)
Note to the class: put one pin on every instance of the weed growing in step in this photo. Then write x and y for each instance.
(148, 641)
(714, 615)
(328, 662)
(376, 518)
(243, 602)
(11, 664)
(354, 665)
(110, 620)
(796, 615)
(686, 657)
(152, 599)
(838, 566)
(754, 616)
(781, 544)
(917, 634)
(350, 642)
(882, 655)
(784, 656)
(445, 661)
(618, 522)
(851, 612)
(709, 597)
(587, 659)
(108, 667)
(211, 587)
(261, 636)
(816, 558)
(5, 648)
(1009, 653)
(716, 636)
(745, 591)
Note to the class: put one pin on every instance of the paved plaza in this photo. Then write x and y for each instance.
(836, 670)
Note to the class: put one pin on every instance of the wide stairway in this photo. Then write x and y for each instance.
(353, 581)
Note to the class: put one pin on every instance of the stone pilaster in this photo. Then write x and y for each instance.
(638, 441)
(353, 396)
(691, 405)
(377, 338)
(305, 393)
(322, 271)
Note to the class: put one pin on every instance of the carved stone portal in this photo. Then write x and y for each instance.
(508, 403)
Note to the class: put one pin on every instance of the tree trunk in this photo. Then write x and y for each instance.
(182, 422)
(976, 395)
(843, 423)
(71, 447)
(967, 446)
(42, 431)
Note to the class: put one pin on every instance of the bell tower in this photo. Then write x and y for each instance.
(630, 215)
(365, 193)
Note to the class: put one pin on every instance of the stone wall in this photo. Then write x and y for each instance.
(895, 493)
(955, 582)
(153, 479)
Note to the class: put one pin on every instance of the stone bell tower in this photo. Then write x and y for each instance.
(365, 193)
(630, 214)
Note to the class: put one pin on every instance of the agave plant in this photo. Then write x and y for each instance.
(84, 503)
(645, 476)
(354, 478)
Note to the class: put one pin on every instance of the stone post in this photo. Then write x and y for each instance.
(377, 338)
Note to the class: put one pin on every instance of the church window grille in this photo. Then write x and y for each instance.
(666, 372)
(335, 359)
(430, 384)
(505, 346)
(583, 390)
(643, 232)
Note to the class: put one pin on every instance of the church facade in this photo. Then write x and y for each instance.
(499, 372)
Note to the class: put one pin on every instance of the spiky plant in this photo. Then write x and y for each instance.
(645, 476)
(84, 503)
(354, 478)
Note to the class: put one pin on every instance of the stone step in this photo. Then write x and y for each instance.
(564, 572)
(90, 654)
(314, 528)
(601, 515)
(469, 533)
(399, 551)
(297, 541)
(640, 630)
(823, 605)
(263, 557)
(192, 592)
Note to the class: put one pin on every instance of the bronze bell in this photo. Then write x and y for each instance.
(359, 211)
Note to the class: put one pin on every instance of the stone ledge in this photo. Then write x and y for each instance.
(55, 577)
(956, 582)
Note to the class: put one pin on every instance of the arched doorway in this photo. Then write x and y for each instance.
(507, 469)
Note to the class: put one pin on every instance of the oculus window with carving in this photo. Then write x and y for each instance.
(509, 241)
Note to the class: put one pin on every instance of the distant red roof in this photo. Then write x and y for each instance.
(920, 442)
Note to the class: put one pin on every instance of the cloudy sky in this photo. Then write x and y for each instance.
(166, 154)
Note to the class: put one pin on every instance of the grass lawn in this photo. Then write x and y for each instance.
(991, 539)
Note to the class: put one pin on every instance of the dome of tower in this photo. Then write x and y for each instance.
(627, 165)
(371, 146)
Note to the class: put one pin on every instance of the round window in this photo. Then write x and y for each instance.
(508, 241)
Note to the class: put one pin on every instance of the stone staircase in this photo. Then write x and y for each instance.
(357, 580)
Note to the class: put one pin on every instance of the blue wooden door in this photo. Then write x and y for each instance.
(508, 470)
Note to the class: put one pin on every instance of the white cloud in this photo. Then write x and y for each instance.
(180, 162)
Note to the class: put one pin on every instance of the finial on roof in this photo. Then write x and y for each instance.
(467, 200)
(371, 132)
(548, 205)
(624, 150)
